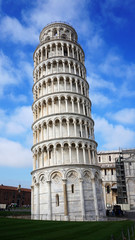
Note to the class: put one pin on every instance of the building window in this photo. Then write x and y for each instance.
(72, 188)
(65, 52)
(57, 200)
(108, 189)
(110, 158)
(105, 171)
(80, 133)
(112, 171)
(50, 153)
(129, 168)
(85, 107)
(99, 159)
(13, 194)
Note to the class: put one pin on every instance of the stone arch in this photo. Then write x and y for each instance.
(47, 38)
(35, 180)
(54, 32)
(87, 175)
(41, 177)
(63, 36)
(73, 173)
(60, 66)
(54, 174)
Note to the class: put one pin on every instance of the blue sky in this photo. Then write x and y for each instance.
(106, 32)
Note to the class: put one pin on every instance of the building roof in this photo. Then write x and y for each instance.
(14, 188)
(120, 151)
(130, 159)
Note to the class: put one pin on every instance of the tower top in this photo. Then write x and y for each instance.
(58, 30)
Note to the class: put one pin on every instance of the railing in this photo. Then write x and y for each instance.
(59, 22)
(59, 37)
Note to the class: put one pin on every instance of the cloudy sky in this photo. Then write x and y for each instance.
(106, 31)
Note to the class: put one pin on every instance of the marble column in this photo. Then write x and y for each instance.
(56, 49)
(72, 100)
(53, 124)
(70, 154)
(42, 133)
(32, 201)
(81, 128)
(68, 127)
(65, 199)
(42, 157)
(55, 156)
(83, 108)
(60, 128)
(66, 104)
(62, 50)
(68, 50)
(76, 86)
(95, 198)
(82, 199)
(34, 162)
(93, 156)
(59, 105)
(84, 155)
(37, 201)
(62, 155)
(69, 67)
(38, 165)
(77, 153)
(86, 132)
(78, 103)
(75, 128)
(73, 51)
(49, 201)
(89, 156)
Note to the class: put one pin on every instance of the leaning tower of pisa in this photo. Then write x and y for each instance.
(66, 182)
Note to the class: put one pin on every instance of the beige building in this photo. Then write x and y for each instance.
(118, 177)
(130, 180)
(66, 181)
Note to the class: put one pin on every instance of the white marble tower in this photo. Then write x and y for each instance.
(66, 182)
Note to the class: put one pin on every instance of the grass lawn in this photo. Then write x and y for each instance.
(17, 229)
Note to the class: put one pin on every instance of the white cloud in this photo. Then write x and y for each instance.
(96, 82)
(114, 65)
(27, 29)
(113, 136)
(8, 74)
(12, 74)
(18, 33)
(96, 85)
(23, 116)
(19, 98)
(36, 18)
(95, 42)
(19, 122)
(124, 90)
(27, 70)
(53, 10)
(13, 154)
(100, 99)
(125, 116)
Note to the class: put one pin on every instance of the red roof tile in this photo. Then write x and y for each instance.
(14, 188)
